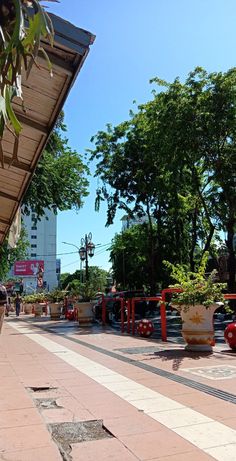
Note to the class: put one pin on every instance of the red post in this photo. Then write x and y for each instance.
(163, 321)
(103, 310)
(122, 314)
(133, 315)
(128, 316)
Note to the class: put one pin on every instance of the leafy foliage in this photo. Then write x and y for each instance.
(9, 255)
(60, 180)
(195, 287)
(23, 23)
(86, 289)
(174, 161)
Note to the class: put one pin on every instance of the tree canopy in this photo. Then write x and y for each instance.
(60, 179)
(174, 161)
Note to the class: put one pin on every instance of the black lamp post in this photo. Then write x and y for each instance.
(87, 249)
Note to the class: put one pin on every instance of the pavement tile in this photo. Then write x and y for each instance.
(101, 450)
(118, 408)
(223, 453)
(208, 435)
(23, 438)
(195, 399)
(156, 444)
(136, 424)
(219, 411)
(231, 422)
(57, 415)
(15, 400)
(196, 455)
(48, 453)
(70, 403)
(22, 417)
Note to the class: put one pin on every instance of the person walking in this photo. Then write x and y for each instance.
(3, 301)
(17, 304)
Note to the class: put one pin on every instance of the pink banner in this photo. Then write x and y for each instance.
(31, 268)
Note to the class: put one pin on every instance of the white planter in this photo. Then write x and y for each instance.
(198, 327)
(2, 313)
(85, 314)
(55, 310)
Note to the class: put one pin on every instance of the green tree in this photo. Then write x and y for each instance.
(9, 255)
(130, 258)
(174, 161)
(97, 279)
(60, 181)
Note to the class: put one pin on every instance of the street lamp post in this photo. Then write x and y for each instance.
(87, 249)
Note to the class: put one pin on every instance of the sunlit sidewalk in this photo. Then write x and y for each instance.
(138, 399)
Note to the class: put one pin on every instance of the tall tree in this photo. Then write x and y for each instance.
(60, 179)
(175, 162)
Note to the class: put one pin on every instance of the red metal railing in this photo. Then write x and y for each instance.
(131, 310)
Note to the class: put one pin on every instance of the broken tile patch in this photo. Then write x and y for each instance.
(215, 372)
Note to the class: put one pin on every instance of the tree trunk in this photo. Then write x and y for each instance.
(231, 259)
(194, 240)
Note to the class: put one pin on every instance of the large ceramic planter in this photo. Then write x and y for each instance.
(85, 315)
(55, 310)
(2, 313)
(27, 308)
(198, 327)
(38, 309)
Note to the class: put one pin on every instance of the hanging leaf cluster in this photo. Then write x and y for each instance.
(23, 24)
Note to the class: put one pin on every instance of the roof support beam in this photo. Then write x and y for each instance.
(32, 123)
(8, 196)
(4, 221)
(17, 164)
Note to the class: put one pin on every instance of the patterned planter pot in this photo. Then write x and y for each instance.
(2, 313)
(198, 327)
(85, 314)
(55, 310)
(27, 308)
(38, 309)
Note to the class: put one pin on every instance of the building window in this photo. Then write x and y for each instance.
(33, 255)
(33, 245)
(33, 228)
(33, 236)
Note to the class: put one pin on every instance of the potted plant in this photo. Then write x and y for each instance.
(82, 294)
(55, 298)
(28, 301)
(196, 299)
(39, 302)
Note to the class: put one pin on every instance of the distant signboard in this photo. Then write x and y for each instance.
(28, 268)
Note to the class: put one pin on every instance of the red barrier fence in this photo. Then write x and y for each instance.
(131, 310)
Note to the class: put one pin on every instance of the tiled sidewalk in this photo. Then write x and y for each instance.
(150, 417)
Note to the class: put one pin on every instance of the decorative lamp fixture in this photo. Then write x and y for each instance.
(82, 253)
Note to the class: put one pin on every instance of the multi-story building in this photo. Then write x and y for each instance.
(42, 247)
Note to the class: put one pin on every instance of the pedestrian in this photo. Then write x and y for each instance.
(17, 304)
(3, 301)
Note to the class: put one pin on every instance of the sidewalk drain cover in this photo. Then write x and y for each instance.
(139, 350)
(46, 404)
(64, 434)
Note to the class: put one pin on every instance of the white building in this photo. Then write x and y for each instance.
(42, 236)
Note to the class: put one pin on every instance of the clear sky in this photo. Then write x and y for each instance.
(135, 41)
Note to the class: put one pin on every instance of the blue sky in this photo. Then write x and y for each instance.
(135, 41)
